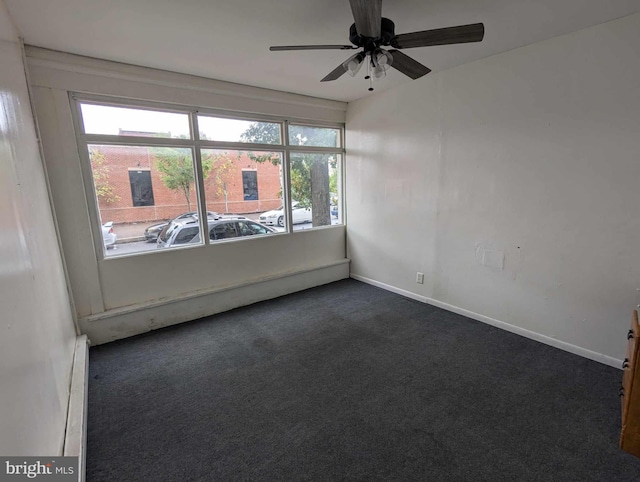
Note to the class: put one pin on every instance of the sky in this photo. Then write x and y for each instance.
(101, 119)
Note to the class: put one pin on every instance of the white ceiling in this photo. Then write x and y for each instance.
(229, 40)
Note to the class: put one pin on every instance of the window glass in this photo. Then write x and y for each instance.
(167, 232)
(315, 189)
(248, 228)
(139, 190)
(186, 235)
(235, 130)
(125, 121)
(313, 136)
(244, 183)
(223, 230)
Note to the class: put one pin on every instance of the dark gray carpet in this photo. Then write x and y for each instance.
(347, 381)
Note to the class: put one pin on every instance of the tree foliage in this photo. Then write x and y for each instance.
(220, 167)
(310, 179)
(176, 169)
(100, 171)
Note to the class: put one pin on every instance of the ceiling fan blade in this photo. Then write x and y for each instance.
(367, 15)
(440, 36)
(335, 73)
(408, 66)
(277, 48)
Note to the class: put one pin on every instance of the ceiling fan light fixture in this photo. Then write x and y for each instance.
(353, 64)
(382, 58)
(381, 62)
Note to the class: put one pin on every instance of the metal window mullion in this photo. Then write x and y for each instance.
(88, 184)
(286, 179)
(134, 140)
(239, 146)
(315, 123)
(110, 101)
(115, 101)
(237, 115)
(202, 201)
(316, 149)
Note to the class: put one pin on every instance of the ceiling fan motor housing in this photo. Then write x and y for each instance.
(369, 44)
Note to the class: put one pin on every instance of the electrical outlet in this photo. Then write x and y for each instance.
(419, 278)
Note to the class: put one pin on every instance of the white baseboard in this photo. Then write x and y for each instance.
(547, 340)
(75, 440)
(136, 319)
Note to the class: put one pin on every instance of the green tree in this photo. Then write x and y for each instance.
(176, 169)
(100, 171)
(310, 182)
(220, 166)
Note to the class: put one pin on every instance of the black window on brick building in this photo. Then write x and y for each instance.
(141, 188)
(250, 185)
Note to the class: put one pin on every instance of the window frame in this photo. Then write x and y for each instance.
(195, 144)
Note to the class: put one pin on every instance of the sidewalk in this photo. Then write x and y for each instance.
(131, 232)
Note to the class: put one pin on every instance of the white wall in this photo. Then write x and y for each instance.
(512, 183)
(118, 297)
(37, 334)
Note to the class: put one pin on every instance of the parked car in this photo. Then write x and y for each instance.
(334, 210)
(187, 231)
(275, 217)
(109, 237)
(152, 232)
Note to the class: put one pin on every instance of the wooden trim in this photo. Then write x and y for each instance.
(75, 441)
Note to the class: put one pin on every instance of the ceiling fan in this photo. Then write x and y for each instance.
(371, 31)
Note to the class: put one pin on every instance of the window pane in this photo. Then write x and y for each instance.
(122, 121)
(223, 230)
(315, 189)
(249, 228)
(314, 136)
(186, 235)
(144, 193)
(244, 185)
(234, 130)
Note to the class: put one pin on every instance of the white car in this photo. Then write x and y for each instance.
(109, 237)
(276, 217)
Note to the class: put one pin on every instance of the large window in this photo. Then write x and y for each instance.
(159, 175)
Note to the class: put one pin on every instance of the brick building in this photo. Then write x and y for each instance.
(130, 186)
